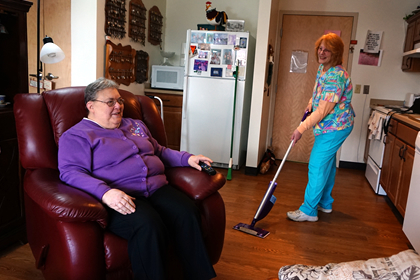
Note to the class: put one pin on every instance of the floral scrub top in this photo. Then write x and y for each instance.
(334, 86)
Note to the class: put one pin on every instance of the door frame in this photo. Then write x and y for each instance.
(281, 13)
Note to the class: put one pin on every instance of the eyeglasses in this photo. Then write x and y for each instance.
(112, 102)
(321, 50)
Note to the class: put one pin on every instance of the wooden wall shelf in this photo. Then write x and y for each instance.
(120, 63)
(137, 21)
(155, 26)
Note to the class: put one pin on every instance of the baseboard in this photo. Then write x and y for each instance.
(253, 171)
(394, 210)
(352, 165)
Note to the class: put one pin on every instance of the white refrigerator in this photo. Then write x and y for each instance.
(208, 97)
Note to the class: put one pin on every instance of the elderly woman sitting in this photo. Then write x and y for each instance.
(116, 160)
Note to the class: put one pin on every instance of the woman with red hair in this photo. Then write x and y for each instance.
(332, 119)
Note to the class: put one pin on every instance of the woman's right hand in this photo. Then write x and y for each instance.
(119, 201)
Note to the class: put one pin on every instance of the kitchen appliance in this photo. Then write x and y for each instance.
(167, 77)
(376, 148)
(411, 226)
(409, 99)
(209, 86)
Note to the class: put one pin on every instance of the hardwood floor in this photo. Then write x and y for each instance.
(361, 226)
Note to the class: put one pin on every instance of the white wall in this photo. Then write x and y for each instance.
(186, 14)
(88, 41)
(258, 125)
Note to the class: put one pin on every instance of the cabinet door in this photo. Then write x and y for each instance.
(386, 163)
(408, 46)
(173, 119)
(395, 171)
(12, 221)
(404, 186)
(417, 31)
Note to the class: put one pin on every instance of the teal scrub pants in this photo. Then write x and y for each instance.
(322, 167)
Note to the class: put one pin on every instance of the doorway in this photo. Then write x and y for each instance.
(299, 33)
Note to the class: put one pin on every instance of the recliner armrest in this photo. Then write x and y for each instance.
(61, 201)
(196, 184)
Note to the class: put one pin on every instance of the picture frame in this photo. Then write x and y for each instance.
(235, 25)
(216, 72)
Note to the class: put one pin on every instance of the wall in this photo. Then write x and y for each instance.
(386, 81)
(186, 14)
(88, 41)
(260, 104)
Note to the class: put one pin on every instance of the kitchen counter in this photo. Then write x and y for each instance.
(412, 120)
(381, 105)
(162, 91)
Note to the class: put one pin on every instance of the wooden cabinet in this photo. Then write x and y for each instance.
(172, 114)
(398, 163)
(14, 79)
(417, 30)
(12, 218)
(410, 64)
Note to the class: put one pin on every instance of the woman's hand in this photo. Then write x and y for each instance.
(296, 136)
(309, 107)
(119, 201)
(194, 160)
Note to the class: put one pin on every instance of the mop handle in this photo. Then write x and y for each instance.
(287, 152)
(272, 184)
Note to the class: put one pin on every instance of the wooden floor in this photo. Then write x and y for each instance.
(361, 226)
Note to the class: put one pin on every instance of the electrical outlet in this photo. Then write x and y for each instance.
(366, 89)
(357, 89)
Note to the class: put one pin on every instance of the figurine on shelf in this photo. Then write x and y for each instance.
(215, 17)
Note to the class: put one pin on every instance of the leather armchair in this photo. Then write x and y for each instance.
(66, 227)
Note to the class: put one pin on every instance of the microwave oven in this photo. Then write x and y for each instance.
(167, 77)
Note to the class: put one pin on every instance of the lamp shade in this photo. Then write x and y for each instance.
(50, 52)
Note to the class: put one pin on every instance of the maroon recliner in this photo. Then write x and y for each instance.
(67, 227)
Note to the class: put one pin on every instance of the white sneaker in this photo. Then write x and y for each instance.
(299, 216)
(324, 209)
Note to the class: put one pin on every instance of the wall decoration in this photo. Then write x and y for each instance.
(235, 25)
(203, 54)
(373, 41)
(227, 57)
(299, 62)
(198, 37)
(137, 21)
(200, 65)
(155, 26)
(120, 63)
(220, 39)
(215, 56)
(142, 66)
(115, 18)
(369, 58)
(216, 72)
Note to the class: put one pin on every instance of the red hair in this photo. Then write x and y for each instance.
(335, 44)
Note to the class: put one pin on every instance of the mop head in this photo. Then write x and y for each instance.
(259, 232)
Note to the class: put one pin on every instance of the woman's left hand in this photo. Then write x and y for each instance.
(296, 136)
(194, 160)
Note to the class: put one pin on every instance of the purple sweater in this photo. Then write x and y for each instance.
(95, 159)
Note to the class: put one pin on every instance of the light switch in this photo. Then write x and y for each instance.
(366, 89)
(357, 89)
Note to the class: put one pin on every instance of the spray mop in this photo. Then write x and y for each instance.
(268, 201)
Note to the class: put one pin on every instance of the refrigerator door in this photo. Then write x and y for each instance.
(207, 118)
(214, 54)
